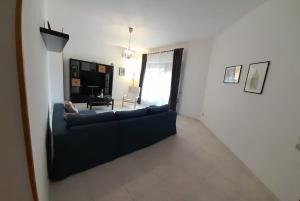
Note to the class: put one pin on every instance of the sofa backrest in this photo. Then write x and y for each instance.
(119, 115)
(60, 125)
(158, 109)
(90, 119)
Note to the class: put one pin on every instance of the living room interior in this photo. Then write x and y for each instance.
(150, 100)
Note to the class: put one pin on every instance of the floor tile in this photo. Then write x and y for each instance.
(142, 185)
(74, 188)
(120, 194)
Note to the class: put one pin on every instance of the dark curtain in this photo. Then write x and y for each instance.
(143, 69)
(177, 60)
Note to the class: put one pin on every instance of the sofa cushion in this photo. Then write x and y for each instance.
(130, 114)
(90, 119)
(158, 109)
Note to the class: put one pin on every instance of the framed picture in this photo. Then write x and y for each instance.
(75, 82)
(232, 74)
(256, 77)
(101, 69)
(121, 71)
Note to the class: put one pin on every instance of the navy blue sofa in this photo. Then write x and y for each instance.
(76, 145)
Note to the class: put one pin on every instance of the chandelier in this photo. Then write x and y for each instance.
(128, 53)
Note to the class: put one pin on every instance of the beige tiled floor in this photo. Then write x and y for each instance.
(190, 166)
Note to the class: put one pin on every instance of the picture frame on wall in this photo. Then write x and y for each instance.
(101, 69)
(232, 74)
(256, 77)
(121, 71)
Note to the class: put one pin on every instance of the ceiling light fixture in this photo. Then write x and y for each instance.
(128, 53)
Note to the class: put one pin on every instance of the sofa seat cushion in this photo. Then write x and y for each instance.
(89, 119)
(130, 114)
(158, 109)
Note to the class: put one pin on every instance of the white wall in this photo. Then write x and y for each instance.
(261, 130)
(55, 80)
(195, 64)
(37, 88)
(88, 43)
(102, 53)
(14, 182)
(56, 77)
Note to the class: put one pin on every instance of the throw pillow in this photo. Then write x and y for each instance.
(69, 107)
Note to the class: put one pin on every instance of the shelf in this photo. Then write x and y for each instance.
(54, 40)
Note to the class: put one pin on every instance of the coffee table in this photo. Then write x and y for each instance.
(100, 101)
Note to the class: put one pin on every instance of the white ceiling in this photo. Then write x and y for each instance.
(156, 22)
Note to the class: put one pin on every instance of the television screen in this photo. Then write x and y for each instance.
(92, 78)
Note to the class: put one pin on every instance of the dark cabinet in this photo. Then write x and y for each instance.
(89, 79)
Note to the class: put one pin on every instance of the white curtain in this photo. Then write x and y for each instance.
(157, 79)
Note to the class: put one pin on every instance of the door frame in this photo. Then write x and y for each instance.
(23, 99)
